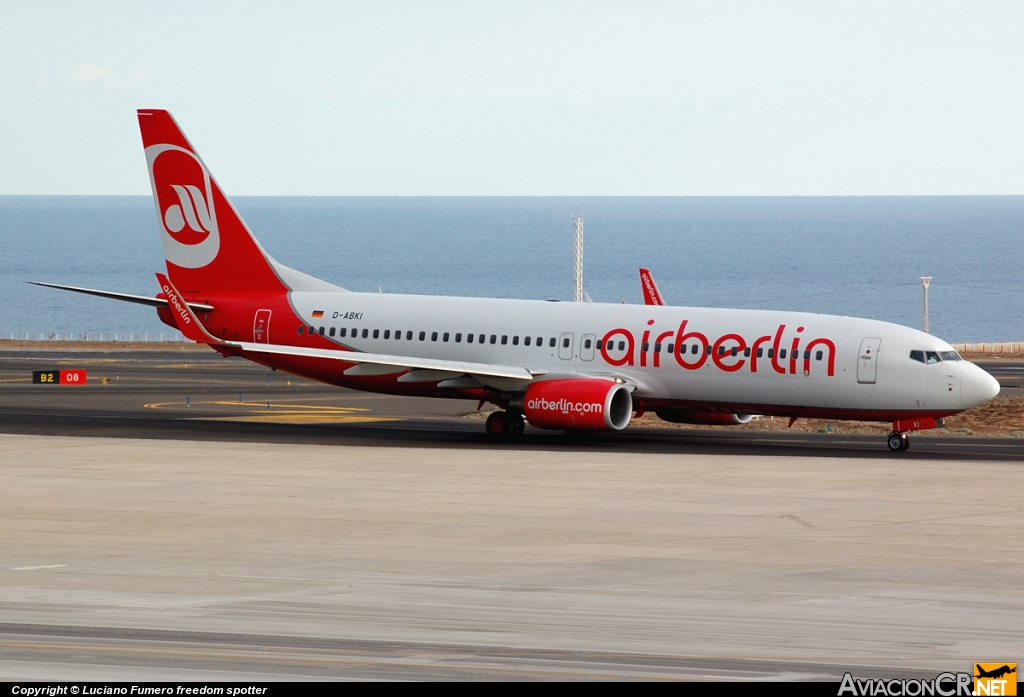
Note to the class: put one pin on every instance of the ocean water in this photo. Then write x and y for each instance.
(857, 256)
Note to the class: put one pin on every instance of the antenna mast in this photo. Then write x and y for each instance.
(925, 282)
(578, 224)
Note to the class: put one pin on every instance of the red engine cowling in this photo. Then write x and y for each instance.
(704, 418)
(586, 404)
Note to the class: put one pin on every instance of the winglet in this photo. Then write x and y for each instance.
(651, 294)
(188, 323)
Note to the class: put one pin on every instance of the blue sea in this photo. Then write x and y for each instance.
(858, 256)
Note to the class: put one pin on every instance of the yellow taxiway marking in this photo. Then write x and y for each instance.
(278, 412)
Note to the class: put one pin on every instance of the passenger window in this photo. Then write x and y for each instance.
(771, 353)
(949, 355)
(482, 338)
(302, 330)
(398, 334)
(526, 340)
(321, 331)
(622, 345)
(515, 340)
(735, 350)
(565, 342)
(433, 336)
(587, 344)
(782, 353)
(598, 344)
(458, 337)
(331, 331)
(817, 356)
(807, 354)
(540, 341)
(760, 352)
(387, 334)
(408, 336)
(645, 347)
(551, 342)
(931, 357)
(343, 332)
(494, 338)
(504, 339)
(376, 333)
(669, 348)
(366, 333)
(746, 352)
(445, 337)
(683, 348)
(469, 338)
(355, 332)
(657, 348)
(423, 336)
(707, 350)
(721, 350)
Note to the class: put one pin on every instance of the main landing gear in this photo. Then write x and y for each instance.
(505, 425)
(898, 441)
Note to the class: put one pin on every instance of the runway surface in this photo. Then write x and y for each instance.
(357, 536)
(195, 394)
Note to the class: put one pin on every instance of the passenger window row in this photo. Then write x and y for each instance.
(343, 332)
(469, 338)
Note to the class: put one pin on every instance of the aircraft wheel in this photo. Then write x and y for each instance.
(906, 442)
(516, 425)
(498, 425)
(897, 441)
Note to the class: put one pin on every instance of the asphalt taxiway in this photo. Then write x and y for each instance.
(194, 393)
(166, 525)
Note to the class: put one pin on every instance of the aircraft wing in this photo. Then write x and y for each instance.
(405, 362)
(651, 294)
(126, 297)
(193, 329)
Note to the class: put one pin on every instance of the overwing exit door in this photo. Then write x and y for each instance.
(261, 327)
(867, 360)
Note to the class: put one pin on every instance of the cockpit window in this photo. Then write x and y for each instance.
(950, 356)
(931, 357)
(917, 356)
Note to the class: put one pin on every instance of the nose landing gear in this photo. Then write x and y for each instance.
(898, 441)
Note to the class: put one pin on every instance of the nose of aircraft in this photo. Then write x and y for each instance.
(976, 386)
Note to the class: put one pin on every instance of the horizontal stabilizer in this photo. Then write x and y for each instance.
(125, 297)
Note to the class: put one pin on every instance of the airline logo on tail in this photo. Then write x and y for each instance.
(183, 191)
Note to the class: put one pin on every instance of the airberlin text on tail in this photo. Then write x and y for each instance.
(207, 246)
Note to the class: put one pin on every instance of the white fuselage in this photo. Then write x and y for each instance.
(872, 369)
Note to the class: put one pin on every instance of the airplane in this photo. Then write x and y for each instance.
(581, 367)
(996, 673)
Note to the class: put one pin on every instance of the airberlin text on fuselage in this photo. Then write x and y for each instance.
(784, 355)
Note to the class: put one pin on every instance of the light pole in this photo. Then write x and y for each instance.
(578, 224)
(925, 282)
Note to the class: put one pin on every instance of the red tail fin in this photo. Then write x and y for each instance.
(651, 294)
(207, 246)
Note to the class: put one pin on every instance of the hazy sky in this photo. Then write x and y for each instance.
(521, 98)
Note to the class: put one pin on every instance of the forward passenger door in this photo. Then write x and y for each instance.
(867, 360)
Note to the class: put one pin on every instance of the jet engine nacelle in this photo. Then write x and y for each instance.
(578, 404)
(704, 418)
